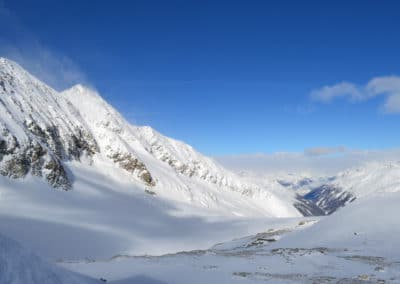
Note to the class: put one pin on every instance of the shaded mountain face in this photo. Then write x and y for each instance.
(329, 198)
(43, 131)
(308, 207)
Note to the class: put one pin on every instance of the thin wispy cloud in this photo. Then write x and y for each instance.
(321, 151)
(387, 87)
(18, 43)
(304, 109)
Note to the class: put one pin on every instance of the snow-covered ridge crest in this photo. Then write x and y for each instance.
(115, 135)
(43, 131)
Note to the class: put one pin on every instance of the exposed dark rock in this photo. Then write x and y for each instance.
(57, 176)
(82, 142)
(54, 141)
(150, 192)
(8, 144)
(131, 164)
(36, 154)
(147, 178)
(3, 85)
(16, 166)
(43, 153)
(17, 162)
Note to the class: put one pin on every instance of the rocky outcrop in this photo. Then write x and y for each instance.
(42, 153)
(131, 164)
(71, 146)
(17, 161)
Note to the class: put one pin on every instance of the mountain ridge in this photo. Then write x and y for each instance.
(43, 130)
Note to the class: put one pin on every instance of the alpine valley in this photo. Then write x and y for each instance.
(87, 197)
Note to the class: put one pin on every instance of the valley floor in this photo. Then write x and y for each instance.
(129, 244)
(358, 244)
(254, 259)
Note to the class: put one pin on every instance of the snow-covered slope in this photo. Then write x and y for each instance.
(20, 266)
(102, 217)
(42, 131)
(354, 245)
(373, 177)
(358, 244)
(369, 225)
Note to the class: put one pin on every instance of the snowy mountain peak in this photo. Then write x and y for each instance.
(84, 93)
(44, 132)
(39, 129)
(79, 88)
(7, 63)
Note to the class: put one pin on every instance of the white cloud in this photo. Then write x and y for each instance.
(392, 104)
(19, 44)
(383, 85)
(344, 89)
(388, 87)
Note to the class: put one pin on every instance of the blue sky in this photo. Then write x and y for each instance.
(228, 77)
